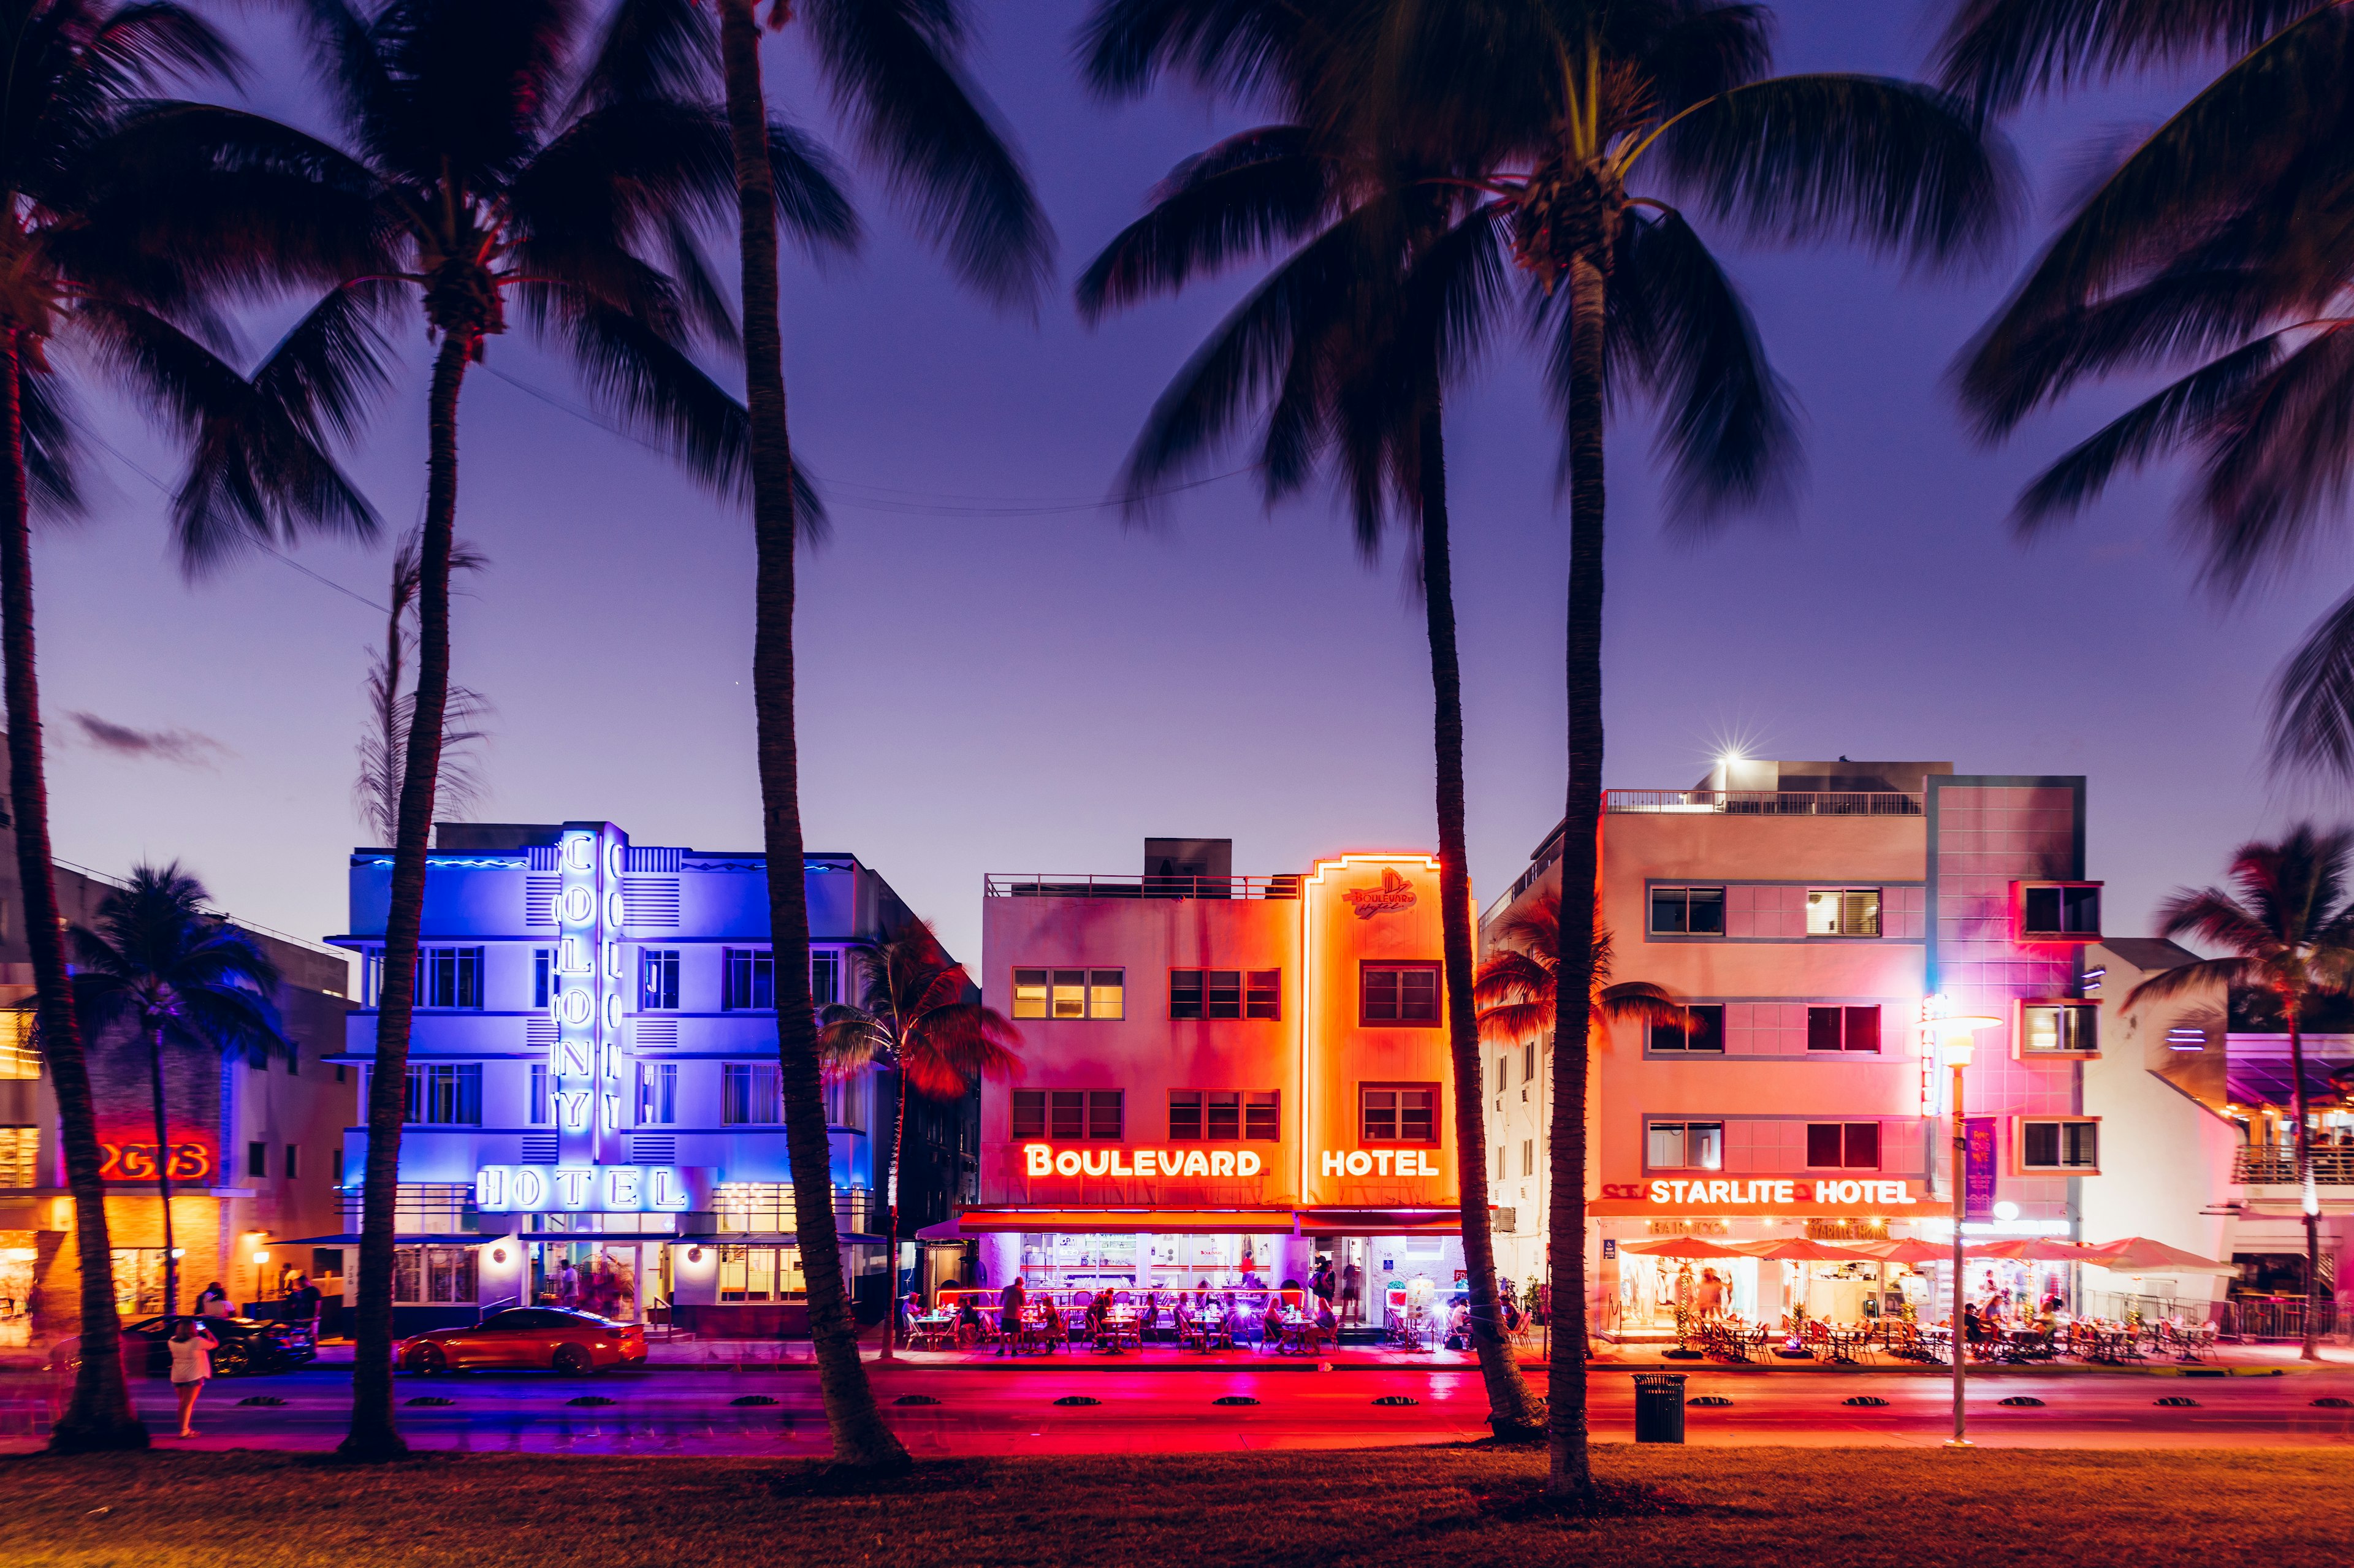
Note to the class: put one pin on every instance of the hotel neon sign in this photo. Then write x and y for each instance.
(1772, 1189)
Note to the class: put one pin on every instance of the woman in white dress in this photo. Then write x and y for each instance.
(192, 1346)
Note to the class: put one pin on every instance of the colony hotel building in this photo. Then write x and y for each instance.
(1225, 1076)
(1810, 913)
(593, 1106)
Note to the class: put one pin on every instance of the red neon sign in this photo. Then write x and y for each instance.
(191, 1162)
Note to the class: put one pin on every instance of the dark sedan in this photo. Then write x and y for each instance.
(247, 1345)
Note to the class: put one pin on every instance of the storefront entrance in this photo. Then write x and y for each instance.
(626, 1281)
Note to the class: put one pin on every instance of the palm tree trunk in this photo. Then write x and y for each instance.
(1511, 1411)
(1570, 1471)
(2305, 1192)
(860, 1435)
(99, 1416)
(898, 1146)
(373, 1432)
(164, 1170)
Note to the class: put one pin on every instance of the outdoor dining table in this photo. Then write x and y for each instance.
(932, 1331)
(1843, 1340)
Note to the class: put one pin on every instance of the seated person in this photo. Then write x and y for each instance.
(1325, 1328)
(1271, 1325)
(969, 1329)
(1099, 1311)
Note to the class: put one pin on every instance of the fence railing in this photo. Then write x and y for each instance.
(1764, 802)
(1056, 885)
(2282, 1318)
(2332, 1167)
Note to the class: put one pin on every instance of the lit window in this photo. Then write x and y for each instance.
(18, 1059)
(1107, 993)
(20, 1157)
(445, 1095)
(1028, 993)
(2059, 1029)
(1398, 1113)
(1400, 995)
(1688, 911)
(658, 979)
(1843, 912)
(542, 1112)
(453, 977)
(657, 1094)
(1070, 993)
(2060, 1145)
(747, 1094)
(750, 980)
(1684, 1146)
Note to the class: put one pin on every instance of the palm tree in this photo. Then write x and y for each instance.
(916, 1016)
(489, 154)
(108, 252)
(383, 746)
(1517, 983)
(1344, 360)
(893, 66)
(2287, 929)
(2216, 249)
(157, 962)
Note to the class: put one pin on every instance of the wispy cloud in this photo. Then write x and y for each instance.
(183, 747)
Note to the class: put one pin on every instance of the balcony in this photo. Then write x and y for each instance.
(2332, 1167)
(1761, 803)
(1050, 885)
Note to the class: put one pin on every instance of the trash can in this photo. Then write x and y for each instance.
(1659, 1407)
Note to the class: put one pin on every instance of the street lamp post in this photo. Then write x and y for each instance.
(1955, 1045)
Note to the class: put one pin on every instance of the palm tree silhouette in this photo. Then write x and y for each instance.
(489, 154)
(914, 1016)
(894, 70)
(2288, 929)
(126, 257)
(2216, 247)
(1338, 353)
(154, 960)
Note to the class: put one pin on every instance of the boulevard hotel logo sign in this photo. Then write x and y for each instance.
(1395, 892)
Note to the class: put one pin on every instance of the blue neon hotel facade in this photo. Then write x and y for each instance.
(593, 1108)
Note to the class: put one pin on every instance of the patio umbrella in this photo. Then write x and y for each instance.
(2034, 1249)
(1797, 1249)
(2139, 1254)
(1905, 1251)
(1681, 1246)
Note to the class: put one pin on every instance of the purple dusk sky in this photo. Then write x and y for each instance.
(996, 675)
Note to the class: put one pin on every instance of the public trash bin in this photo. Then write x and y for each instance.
(1659, 1407)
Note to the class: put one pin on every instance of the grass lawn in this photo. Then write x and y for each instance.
(1752, 1508)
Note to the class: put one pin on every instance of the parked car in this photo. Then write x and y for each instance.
(553, 1337)
(247, 1345)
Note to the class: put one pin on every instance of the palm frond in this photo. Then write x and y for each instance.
(1253, 190)
(651, 49)
(2230, 974)
(2313, 698)
(1998, 52)
(2217, 919)
(52, 444)
(2279, 454)
(1512, 1023)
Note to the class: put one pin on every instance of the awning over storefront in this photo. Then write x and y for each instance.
(1381, 1222)
(1131, 1221)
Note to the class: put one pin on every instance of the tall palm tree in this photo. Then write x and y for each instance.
(2287, 929)
(1573, 123)
(104, 253)
(915, 1016)
(489, 154)
(1344, 361)
(2217, 247)
(895, 69)
(155, 962)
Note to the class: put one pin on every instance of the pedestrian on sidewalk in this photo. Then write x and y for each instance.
(1010, 1303)
(214, 1302)
(1352, 1282)
(192, 1346)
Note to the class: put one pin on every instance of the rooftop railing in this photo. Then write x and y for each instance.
(2332, 1167)
(1054, 884)
(1763, 803)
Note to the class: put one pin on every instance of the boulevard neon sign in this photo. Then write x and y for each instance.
(1769, 1190)
(1044, 1159)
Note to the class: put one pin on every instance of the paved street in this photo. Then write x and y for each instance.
(1149, 1410)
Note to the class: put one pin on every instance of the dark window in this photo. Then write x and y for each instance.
(293, 1163)
(1185, 993)
(453, 977)
(1223, 993)
(1262, 1116)
(1843, 1028)
(447, 1096)
(1223, 1115)
(826, 977)
(1850, 1145)
(658, 979)
(1263, 996)
(1398, 1113)
(751, 981)
(1704, 1031)
(2065, 911)
(1688, 911)
(543, 959)
(1185, 1116)
(1029, 1112)
(257, 1160)
(1105, 1114)
(1069, 1113)
(2060, 1145)
(1400, 995)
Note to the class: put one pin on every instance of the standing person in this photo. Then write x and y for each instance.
(1353, 1292)
(1711, 1296)
(214, 1302)
(192, 1346)
(303, 1304)
(567, 1286)
(1010, 1303)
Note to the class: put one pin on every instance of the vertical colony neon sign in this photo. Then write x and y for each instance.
(586, 1066)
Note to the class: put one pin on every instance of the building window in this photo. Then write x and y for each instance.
(1688, 911)
(1529, 1062)
(761, 1274)
(657, 1094)
(371, 975)
(1503, 1065)
(751, 981)
(20, 1157)
(18, 1059)
(1400, 995)
(845, 1101)
(1684, 1146)
(1070, 993)
(1843, 1028)
(825, 976)
(1225, 1115)
(433, 1276)
(257, 1160)
(657, 979)
(543, 967)
(2060, 1145)
(1068, 1114)
(2069, 910)
(1397, 1113)
(2059, 1029)
(1226, 993)
(445, 1095)
(1702, 1030)
(1528, 1157)
(1843, 1145)
(1843, 912)
(747, 1094)
(293, 1163)
(453, 977)
(542, 1111)
(1263, 993)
